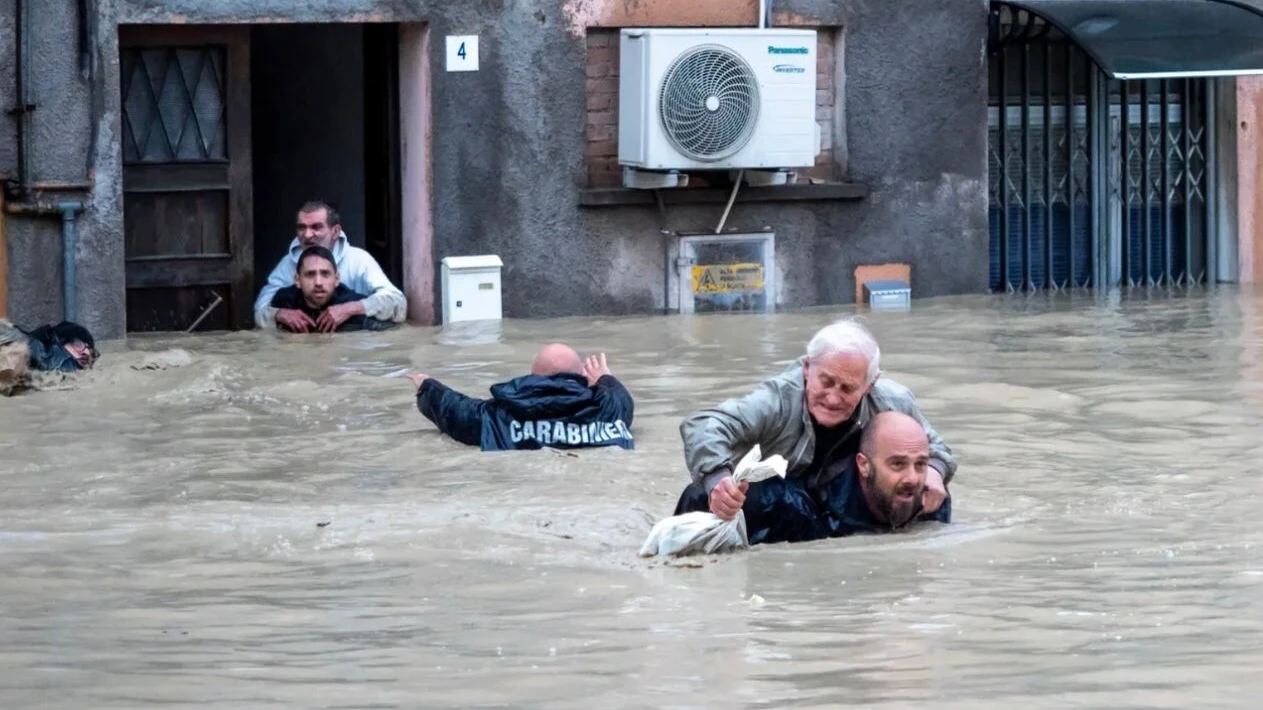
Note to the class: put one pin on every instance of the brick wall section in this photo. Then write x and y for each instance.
(602, 121)
(602, 110)
(825, 98)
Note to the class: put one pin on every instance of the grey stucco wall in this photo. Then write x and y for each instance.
(916, 113)
(916, 98)
(508, 147)
(63, 151)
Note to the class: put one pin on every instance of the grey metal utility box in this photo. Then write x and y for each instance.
(888, 295)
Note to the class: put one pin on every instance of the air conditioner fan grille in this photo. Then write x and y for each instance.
(709, 103)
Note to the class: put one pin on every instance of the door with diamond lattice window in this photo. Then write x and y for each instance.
(187, 198)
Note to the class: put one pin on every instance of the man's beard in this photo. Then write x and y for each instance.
(318, 301)
(898, 513)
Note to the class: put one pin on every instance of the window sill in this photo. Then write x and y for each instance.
(803, 192)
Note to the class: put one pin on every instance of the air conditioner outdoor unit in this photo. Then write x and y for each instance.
(717, 99)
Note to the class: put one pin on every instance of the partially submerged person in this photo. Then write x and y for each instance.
(318, 224)
(65, 347)
(883, 487)
(813, 414)
(565, 402)
(316, 289)
(878, 490)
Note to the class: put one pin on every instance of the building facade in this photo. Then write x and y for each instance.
(164, 145)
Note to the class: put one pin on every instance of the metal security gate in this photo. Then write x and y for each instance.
(1162, 192)
(1076, 200)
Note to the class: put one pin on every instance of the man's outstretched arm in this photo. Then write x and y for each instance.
(456, 415)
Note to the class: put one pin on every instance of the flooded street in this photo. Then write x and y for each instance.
(160, 537)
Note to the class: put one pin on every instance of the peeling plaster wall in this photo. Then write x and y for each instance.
(916, 98)
(61, 137)
(508, 150)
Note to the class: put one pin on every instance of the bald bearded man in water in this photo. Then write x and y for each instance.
(566, 403)
(880, 489)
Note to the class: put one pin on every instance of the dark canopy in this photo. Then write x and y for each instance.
(1160, 39)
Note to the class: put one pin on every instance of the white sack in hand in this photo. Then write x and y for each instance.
(707, 533)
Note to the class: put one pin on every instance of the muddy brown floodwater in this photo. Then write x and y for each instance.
(160, 534)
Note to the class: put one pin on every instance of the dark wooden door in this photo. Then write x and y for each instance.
(187, 197)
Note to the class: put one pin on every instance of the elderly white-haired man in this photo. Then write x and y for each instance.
(812, 414)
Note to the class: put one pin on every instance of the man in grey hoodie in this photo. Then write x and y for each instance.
(812, 414)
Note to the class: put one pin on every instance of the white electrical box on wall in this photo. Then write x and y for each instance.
(471, 288)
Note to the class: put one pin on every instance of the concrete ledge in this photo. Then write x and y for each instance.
(626, 197)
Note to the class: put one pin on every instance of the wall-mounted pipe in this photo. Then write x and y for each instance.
(86, 65)
(763, 9)
(58, 186)
(4, 261)
(68, 211)
(38, 207)
(69, 261)
(667, 234)
(25, 186)
(29, 199)
(24, 107)
(88, 61)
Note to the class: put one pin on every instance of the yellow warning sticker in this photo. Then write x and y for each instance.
(728, 278)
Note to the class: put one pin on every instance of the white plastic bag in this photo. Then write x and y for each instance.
(707, 533)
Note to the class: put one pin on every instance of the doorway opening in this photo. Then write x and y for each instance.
(326, 127)
(227, 130)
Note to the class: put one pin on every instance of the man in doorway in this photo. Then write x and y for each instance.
(880, 489)
(65, 347)
(565, 403)
(812, 414)
(319, 225)
(317, 289)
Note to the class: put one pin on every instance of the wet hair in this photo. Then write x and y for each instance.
(64, 332)
(331, 215)
(319, 251)
(847, 336)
